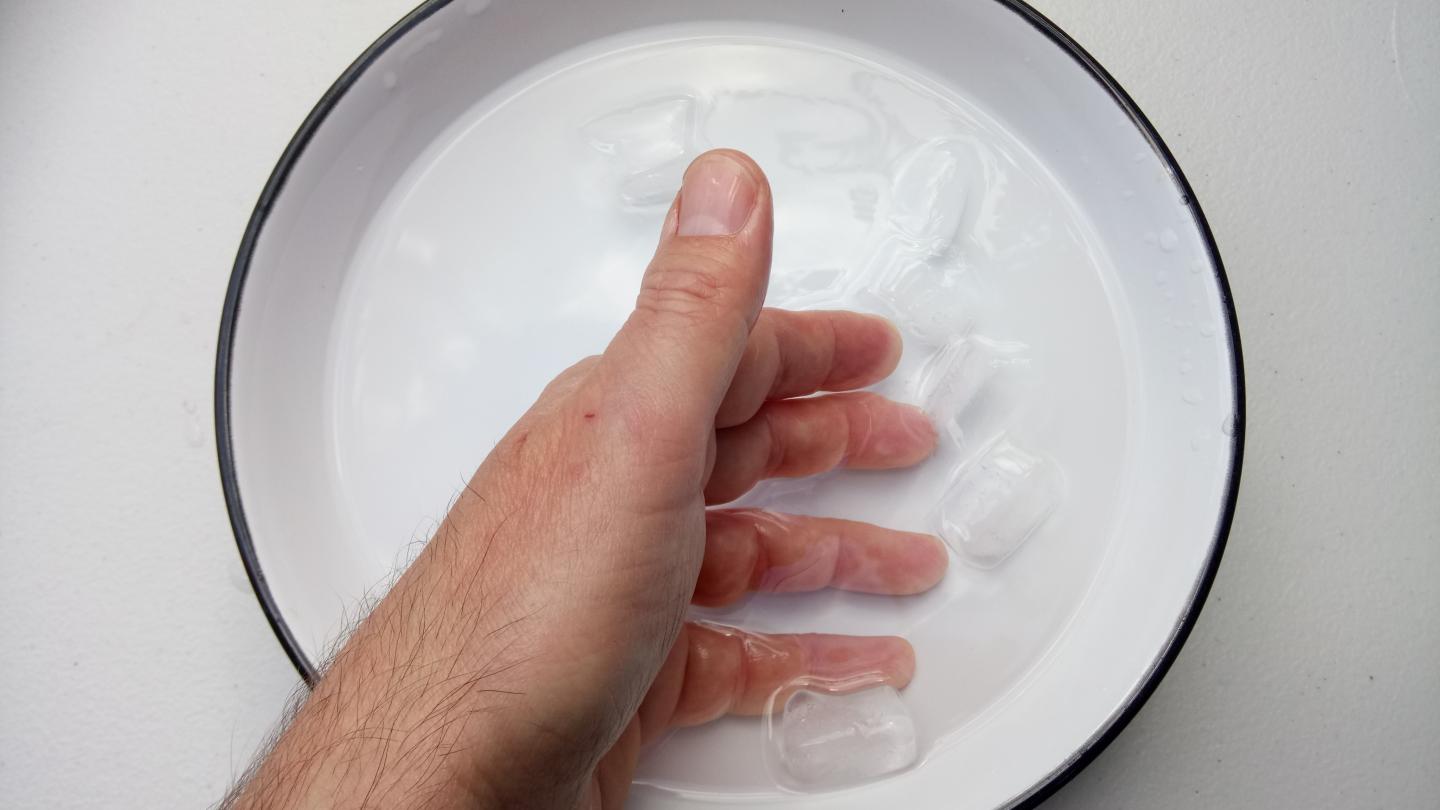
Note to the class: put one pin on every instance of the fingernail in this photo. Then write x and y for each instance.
(716, 198)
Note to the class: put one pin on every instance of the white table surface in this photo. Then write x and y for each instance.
(136, 667)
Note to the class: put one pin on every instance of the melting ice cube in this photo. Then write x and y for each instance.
(827, 740)
(651, 143)
(997, 502)
(930, 191)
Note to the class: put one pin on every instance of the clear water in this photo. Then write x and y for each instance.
(515, 247)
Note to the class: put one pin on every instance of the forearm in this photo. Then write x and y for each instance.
(425, 704)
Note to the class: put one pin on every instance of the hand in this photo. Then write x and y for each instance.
(540, 638)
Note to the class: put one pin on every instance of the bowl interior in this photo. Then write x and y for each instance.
(441, 247)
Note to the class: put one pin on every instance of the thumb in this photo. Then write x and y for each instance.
(700, 295)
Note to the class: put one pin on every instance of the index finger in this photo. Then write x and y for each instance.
(792, 354)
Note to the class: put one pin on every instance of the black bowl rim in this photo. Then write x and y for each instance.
(293, 151)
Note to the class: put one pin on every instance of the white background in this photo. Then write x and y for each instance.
(136, 669)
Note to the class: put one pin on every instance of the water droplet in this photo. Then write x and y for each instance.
(1207, 330)
(1196, 267)
(474, 7)
(1186, 366)
(1127, 194)
(1139, 156)
(1228, 426)
(1151, 238)
(388, 79)
(1169, 240)
(1199, 440)
(433, 37)
(1191, 396)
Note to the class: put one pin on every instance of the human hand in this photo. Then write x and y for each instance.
(540, 638)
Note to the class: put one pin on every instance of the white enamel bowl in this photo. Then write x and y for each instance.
(468, 209)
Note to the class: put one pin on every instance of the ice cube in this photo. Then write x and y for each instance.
(830, 740)
(795, 288)
(931, 302)
(646, 135)
(930, 192)
(950, 381)
(655, 186)
(997, 502)
(651, 144)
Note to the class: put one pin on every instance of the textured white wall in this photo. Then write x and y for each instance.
(136, 669)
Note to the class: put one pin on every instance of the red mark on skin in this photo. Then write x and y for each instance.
(590, 415)
(520, 440)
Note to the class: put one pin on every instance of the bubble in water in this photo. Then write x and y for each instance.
(1192, 396)
(827, 741)
(1151, 238)
(1186, 366)
(998, 502)
(1207, 330)
(388, 79)
(1196, 267)
(473, 7)
(1199, 440)
(1169, 240)
(1228, 426)
(1127, 194)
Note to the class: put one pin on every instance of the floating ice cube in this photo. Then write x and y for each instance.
(651, 143)
(656, 186)
(645, 135)
(796, 288)
(950, 381)
(931, 302)
(930, 192)
(997, 502)
(826, 740)
(972, 386)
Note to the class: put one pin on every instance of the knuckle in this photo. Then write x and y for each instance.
(688, 286)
